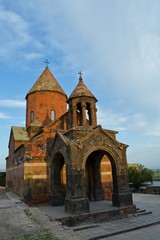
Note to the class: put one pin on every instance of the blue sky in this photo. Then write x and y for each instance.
(116, 44)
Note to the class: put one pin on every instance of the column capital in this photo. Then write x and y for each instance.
(83, 105)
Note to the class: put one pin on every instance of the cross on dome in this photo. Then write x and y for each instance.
(46, 62)
(80, 75)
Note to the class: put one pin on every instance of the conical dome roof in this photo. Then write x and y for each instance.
(81, 90)
(46, 82)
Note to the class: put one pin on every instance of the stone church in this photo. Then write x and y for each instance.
(62, 156)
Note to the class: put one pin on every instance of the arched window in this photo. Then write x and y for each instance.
(52, 115)
(32, 116)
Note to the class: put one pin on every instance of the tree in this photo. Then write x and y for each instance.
(146, 175)
(139, 175)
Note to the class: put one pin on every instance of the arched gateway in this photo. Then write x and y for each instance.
(82, 148)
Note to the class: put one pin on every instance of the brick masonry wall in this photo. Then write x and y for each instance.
(42, 102)
(106, 177)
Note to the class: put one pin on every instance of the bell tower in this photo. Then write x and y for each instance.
(82, 106)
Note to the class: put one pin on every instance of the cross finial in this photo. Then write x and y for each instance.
(46, 62)
(80, 75)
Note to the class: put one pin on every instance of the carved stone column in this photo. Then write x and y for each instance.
(83, 105)
(93, 115)
(76, 200)
(122, 195)
(74, 116)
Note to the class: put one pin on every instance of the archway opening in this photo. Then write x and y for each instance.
(58, 179)
(79, 114)
(88, 113)
(101, 177)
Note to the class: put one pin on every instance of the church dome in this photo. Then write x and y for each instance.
(46, 82)
(81, 90)
(45, 100)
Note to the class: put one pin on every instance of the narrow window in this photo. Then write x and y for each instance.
(88, 114)
(52, 115)
(79, 114)
(32, 116)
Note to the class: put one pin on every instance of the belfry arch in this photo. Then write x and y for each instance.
(84, 114)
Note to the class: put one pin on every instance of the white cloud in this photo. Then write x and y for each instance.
(12, 103)
(115, 45)
(121, 121)
(136, 122)
(3, 116)
(147, 154)
(32, 56)
(111, 120)
(154, 130)
(15, 36)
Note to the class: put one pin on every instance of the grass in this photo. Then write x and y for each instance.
(36, 236)
(45, 236)
(27, 212)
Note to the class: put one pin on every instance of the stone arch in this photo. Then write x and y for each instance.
(93, 177)
(58, 179)
(96, 191)
(112, 153)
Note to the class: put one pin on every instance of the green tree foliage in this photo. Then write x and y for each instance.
(139, 175)
(156, 175)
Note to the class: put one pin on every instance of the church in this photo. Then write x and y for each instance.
(62, 156)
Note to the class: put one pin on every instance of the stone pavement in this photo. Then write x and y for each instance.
(132, 228)
(145, 226)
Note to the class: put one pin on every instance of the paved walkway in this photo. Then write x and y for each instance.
(144, 227)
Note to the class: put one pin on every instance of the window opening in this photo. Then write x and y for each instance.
(52, 115)
(32, 116)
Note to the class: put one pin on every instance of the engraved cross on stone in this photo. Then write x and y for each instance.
(46, 62)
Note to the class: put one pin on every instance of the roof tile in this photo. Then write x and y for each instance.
(81, 90)
(46, 82)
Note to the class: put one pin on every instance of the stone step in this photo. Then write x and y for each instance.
(86, 226)
(140, 212)
(96, 217)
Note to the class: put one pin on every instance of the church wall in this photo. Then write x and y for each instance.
(36, 181)
(15, 171)
(35, 168)
(42, 102)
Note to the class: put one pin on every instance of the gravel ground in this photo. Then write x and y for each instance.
(20, 222)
